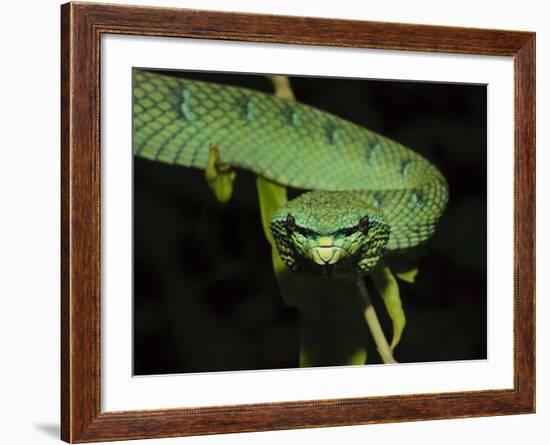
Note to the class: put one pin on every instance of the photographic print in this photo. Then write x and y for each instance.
(284, 222)
(276, 222)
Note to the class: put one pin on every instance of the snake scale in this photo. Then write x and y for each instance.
(366, 194)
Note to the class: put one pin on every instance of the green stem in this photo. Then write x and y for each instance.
(374, 324)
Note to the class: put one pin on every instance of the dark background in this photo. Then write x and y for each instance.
(205, 297)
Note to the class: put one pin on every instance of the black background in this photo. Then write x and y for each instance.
(205, 298)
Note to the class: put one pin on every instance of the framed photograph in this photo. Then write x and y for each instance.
(275, 222)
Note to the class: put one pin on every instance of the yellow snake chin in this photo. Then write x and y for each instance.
(326, 255)
(325, 251)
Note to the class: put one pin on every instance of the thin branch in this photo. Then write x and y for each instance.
(382, 345)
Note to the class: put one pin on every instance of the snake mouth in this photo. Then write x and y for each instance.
(326, 255)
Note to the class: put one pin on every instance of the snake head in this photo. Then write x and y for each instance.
(330, 234)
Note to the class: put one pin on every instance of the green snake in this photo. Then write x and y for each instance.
(366, 195)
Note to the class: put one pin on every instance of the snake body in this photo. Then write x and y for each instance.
(354, 174)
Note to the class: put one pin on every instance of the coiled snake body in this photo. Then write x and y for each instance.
(368, 194)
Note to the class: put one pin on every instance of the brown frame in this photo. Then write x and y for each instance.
(82, 25)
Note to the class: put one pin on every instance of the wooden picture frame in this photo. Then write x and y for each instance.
(82, 26)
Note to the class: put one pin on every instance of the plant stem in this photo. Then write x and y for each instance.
(374, 324)
(282, 86)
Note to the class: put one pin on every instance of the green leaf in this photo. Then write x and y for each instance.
(404, 266)
(407, 275)
(272, 196)
(388, 288)
(359, 357)
(220, 177)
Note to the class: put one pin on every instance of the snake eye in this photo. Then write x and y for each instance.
(350, 231)
(364, 224)
(290, 222)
